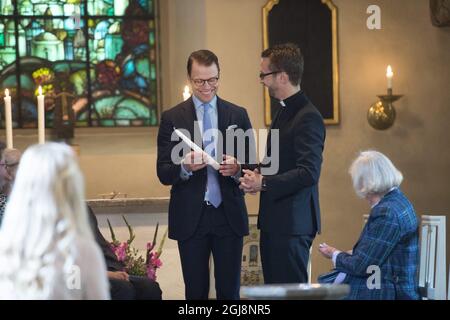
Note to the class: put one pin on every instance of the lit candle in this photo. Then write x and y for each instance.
(389, 75)
(8, 120)
(41, 116)
(186, 93)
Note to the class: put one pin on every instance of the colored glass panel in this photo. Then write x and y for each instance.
(84, 55)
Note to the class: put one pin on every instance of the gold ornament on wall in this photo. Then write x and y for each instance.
(381, 114)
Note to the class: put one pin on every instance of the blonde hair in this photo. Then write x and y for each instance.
(374, 174)
(44, 216)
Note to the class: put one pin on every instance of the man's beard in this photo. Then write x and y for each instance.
(271, 92)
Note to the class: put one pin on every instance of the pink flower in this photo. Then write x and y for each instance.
(134, 263)
(156, 262)
(121, 251)
(151, 272)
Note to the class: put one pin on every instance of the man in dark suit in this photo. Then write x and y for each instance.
(207, 212)
(289, 214)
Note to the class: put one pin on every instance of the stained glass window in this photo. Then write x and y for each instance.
(95, 60)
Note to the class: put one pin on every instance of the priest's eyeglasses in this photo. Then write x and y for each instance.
(201, 82)
(262, 75)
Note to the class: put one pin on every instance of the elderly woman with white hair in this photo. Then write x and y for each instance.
(9, 162)
(47, 249)
(383, 263)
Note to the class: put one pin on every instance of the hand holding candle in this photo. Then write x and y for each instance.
(389, 75)
(209, 160)
(41, 116)
(8, 120)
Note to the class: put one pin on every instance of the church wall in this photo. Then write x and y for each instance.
(419, 54)
(124, 159)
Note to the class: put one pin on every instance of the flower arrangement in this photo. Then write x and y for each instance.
(134, 263)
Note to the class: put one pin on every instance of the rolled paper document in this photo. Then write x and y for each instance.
(209, 160)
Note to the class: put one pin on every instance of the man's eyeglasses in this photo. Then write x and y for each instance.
(262, 75)
(8, 165)
(201, 82)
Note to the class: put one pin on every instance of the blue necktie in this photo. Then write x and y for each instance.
(213, 194)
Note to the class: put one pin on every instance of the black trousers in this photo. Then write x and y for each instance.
(137, 288)
(285, 258)
(213, 235)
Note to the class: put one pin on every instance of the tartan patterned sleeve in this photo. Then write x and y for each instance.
(375, 245)
(389, 241)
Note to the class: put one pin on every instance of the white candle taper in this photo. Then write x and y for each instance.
(8, 120)
(41, 116)
(389, 75)
(209, 160)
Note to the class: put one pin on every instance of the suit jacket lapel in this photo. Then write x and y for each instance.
(191, 121)
(289, 113)
(223, 120)
(223, 116)
(272, 125)
(275, 119)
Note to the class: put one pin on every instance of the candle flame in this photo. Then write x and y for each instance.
(389, 72)
(186, 93)
(40, 90)
(6, 93)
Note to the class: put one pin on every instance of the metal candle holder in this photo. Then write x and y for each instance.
(381, 114)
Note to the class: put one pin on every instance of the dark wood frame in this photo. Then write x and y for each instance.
(335, 66)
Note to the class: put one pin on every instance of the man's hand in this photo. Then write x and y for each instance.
(326, 250)
(118, 275)
(194, 161)
(229, 166)
(251, 181)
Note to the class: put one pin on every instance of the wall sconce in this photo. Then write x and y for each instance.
(381, 114)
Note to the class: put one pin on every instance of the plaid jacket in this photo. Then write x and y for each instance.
(389, 241)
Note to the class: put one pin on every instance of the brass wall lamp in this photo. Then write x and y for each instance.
(381, 114)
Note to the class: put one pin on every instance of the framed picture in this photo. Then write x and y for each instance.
(312, 25)
(440, 13)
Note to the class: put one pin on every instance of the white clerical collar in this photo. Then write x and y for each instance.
(282, 103)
